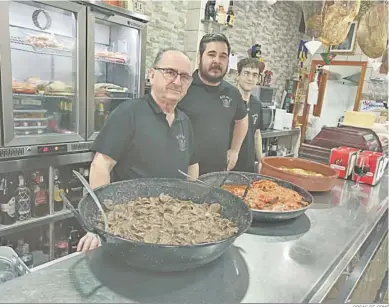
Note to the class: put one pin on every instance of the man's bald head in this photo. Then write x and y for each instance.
(169, 50)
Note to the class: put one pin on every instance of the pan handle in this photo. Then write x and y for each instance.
(76, 214)
(248, 182)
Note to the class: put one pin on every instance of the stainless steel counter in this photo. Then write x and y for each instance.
(292, 262)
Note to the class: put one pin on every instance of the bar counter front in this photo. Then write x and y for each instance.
(294, 262)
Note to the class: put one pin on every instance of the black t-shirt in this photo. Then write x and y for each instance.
(246, 159)
(138, 137)
(212, 111)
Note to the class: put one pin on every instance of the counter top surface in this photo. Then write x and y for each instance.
(279, 263)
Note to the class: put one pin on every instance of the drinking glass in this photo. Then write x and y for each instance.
(361, 168)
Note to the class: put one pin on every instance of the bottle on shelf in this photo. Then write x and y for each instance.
(100, 117)
(61, 248)
(85, 173)
(273, 148)
(74, 189)
(58, 189)
(221, 15)
(230, 19)
(62, 110)
(23, 200)
(74, 238)
(26, 256)
(41, 199)
(69, 111)
(7, 201)
(46, 243)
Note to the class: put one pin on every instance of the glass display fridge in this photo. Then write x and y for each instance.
(65, 66)
(43, 72)
(114, 68)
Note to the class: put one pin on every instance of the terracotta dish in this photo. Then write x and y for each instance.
(271, 166)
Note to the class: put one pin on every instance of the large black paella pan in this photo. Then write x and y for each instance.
(160, 257)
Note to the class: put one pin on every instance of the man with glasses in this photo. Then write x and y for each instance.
(213, 105)
(147, 137)
(248, 76)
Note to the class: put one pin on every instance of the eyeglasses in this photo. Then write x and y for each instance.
(171, 75)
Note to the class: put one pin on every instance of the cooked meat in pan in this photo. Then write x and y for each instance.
(269, 196)
(169, 221)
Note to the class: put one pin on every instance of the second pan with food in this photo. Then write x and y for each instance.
(240, 178)
(159, 202)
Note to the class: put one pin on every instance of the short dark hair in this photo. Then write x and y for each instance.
(217, 37)
(161, 52)
(249, 62)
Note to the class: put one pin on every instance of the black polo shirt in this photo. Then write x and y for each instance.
(246, 159)
(138, 136)
(212, 111)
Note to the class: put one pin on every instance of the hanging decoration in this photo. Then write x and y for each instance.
(313, 46)
(302, 53)
(372, 33)
(313, 17)
(327, 57)
(337, 17)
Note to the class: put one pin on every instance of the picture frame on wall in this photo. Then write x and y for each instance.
(348, 45)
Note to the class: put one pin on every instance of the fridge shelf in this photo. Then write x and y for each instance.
(105, 60)
(30, 127)
(44, 50)
(41, 96)
(27, 30)
(34, 222)
(30, 119)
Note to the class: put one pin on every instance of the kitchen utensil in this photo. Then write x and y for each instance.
(160, 257)
(261, 215)
(271, 167)
(92, 194)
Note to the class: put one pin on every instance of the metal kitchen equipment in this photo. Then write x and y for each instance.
(216, 178)
(159, 257)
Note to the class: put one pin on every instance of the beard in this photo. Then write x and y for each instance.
(204, 72)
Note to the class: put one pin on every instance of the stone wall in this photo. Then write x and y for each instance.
(166, 27)
(177, 23)
(275, 28)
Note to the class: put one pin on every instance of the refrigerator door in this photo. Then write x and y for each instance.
(115, 61)
(43, 73)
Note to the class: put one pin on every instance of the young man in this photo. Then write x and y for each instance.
(248, 75)
(215, 107)
(147, 137)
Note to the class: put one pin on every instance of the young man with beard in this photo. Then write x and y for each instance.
(215, 107)
(248, 76)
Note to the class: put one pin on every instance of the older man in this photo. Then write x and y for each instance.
(248, 76)
(213, 105)
(147, 137)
